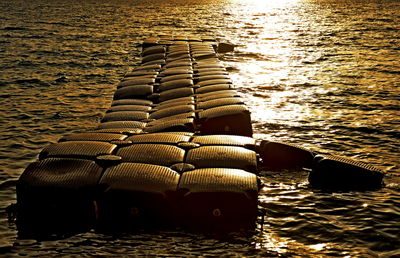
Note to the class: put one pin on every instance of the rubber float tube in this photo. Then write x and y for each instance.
(174, 148)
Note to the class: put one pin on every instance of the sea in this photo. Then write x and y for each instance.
(323, 74)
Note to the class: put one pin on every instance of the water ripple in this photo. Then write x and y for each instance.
(322, 74)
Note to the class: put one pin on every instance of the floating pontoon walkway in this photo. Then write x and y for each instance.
(174, 148)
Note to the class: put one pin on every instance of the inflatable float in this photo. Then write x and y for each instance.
(175, 148)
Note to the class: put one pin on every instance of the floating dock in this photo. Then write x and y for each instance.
(175, 148)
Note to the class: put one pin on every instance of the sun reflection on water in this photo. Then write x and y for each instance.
(268, 3)
(270, 71)
(272, 62)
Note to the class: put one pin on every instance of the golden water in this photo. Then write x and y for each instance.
(322, 74)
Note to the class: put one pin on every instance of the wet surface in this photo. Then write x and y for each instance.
(321, 74)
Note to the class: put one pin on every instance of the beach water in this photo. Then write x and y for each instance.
(322, 74)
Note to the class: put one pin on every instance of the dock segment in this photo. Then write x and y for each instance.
(174, 148)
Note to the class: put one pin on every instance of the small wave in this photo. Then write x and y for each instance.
(389, 71)
(109, 65)
(7, 184)
(9, 28)
(34, 37)
(341, 44)
(261, 95)
(60, 115)
(279, 127)
(271, 87)
(54, 23)
(69, 64)
(86, 95)
(351, 76)
(32, 81)
(61, 79)
(348, 92)
(249, 55)
(391, 29)
(379, 20)
(367, 130)
(23, 116)
(26, 63)
(306, 84)
(44, 52)
(378, 69)
(92, 75)
(18, 146)
(362, 129)
(232, 69)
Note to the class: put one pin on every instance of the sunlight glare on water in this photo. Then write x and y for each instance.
(322, 74)
(278, 62)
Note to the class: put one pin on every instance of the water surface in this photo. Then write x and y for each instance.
(321, 74)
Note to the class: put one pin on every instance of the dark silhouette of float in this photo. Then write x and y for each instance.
(174, 148)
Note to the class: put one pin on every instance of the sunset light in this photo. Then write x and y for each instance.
(196, 128)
